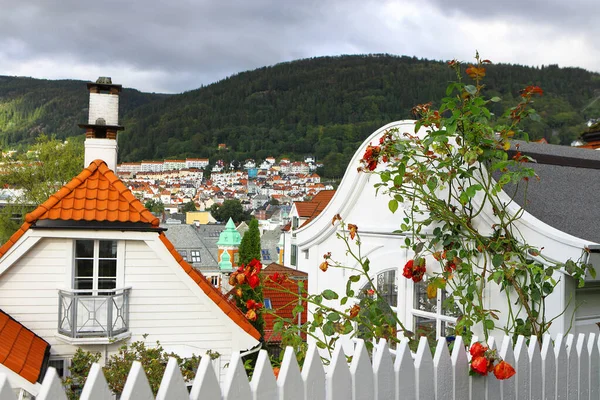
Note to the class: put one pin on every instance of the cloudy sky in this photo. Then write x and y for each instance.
(178, 45)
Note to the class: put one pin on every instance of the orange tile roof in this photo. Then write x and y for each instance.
(310, 209)
(283, 298)
(212, 292)
(96, 194)
(20, 349)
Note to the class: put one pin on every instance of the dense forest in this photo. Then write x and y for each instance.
(323, 107)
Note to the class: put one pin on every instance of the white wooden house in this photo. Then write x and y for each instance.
(91, 268)
(561, 217)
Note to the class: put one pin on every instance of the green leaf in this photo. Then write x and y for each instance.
(354, 278)
(393, 205)
(472, 90)
(328, 328)
(321, 345)
(334, 317)
(489, 324)
(432, 183)
(497, 260)
(329, 294)
(495, 99)
(592, 271)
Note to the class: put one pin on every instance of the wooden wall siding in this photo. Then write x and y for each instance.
(563, 368)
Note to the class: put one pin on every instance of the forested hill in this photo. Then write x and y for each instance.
(324, 107)
(29, 107)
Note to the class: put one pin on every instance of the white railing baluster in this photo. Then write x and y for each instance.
(172, 385)
(404, 371)
(572, 365)
(206, 384)
(562, 368)
(290, 383)
(313, 375)
(361, 372)
(383, 372)
(549, 377)
(494, 392)
(52, 388)
(137, 386)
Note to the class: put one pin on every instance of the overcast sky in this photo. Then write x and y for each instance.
(178, 45)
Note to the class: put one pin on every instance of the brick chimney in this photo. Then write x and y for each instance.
(103, 123)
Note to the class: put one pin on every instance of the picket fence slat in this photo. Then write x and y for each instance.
(594, 367)
(442, 367)
(521, 381)
(137, 386)
(361, 371)
(51, 387)
(566, 368)
(206, 385)
(6, 391)
(338, 379)
(290, 383)
(460, 370)
(535, 366)
(237, 386)
(383, 372)
(263, 384)
(424, 371)
(96, 387)
(549, 372)
(494, 391)
(404, 371)
(313, 375)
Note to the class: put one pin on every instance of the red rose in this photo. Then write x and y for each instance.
(253, 281)
(408, 268)
(241, 279)
(477, 350)
(480, 365)
(503, 370)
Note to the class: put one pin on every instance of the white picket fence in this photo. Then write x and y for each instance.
(564, 368)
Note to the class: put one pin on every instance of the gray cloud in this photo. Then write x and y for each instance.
(182, 44)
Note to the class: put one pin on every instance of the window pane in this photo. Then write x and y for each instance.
(425, 327)
(422, 302)
(107, 268)
(84, 248)
(449, 306)
(84, 268)
(108, 249)
(448, 328)
(83, 284)
(387, 288)
(107, 283)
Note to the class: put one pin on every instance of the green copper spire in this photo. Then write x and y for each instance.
(230, 237)
(225, 264)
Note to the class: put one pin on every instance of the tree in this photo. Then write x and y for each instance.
(155, 206)
(250, 245)
(188, 207)
(35, 175)
(229, 209)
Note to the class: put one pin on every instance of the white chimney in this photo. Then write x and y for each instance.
(103, 123)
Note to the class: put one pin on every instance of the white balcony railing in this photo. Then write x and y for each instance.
(93, 313)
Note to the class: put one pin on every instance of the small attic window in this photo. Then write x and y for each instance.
(267, 304)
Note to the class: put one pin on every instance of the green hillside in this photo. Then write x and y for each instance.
(324, 107)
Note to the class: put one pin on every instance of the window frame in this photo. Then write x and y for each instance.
(195, 256)
(96, 278)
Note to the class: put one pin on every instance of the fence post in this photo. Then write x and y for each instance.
(424, 371)
(338, 379)
(361, 372)
(206, 384)
(442, 371)
(404, 370)
(136, 386)
(383, 372)
(460, 370)
(535, 370)
(313, 375)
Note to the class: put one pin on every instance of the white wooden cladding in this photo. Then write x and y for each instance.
(566, 368)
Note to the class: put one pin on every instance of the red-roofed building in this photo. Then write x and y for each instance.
(91, 268)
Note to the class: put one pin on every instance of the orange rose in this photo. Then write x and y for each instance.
(503, 370)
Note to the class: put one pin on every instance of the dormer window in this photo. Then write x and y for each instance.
(95, 265)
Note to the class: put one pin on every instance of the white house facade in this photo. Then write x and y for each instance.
(357, 202)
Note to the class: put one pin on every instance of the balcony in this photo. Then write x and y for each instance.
(93, 317)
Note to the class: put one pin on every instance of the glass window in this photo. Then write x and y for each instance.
(433, 317)
(267, 303)
(183, 254)
(195, 256)
(95, 264)
(294, 255)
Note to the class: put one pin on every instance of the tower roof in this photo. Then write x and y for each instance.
(230, 236)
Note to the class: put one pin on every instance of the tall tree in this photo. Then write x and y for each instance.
(229, 209)
(31, 177)
(250, 246)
